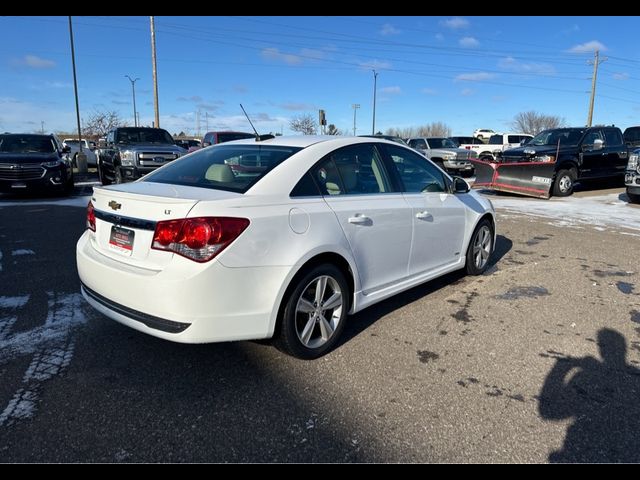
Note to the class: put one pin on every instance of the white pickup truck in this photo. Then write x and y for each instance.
(88, 148)
(500, 142)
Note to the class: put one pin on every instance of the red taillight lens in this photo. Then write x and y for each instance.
(91, 217)
(199, 239)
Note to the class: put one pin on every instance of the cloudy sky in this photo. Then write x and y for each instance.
(468, 72)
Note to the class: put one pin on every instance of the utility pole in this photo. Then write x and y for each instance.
(355, 107)
(81, 159)
(42, 127)
(375, 81)
(596, 61)
(133, 89)
(155, 73)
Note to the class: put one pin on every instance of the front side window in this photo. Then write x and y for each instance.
(232, 168)
(416, 172)
(591, 137)
(353, 170)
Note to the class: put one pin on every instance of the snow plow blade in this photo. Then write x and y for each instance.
(533, 179)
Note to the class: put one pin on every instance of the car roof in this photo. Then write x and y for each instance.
(304, 141)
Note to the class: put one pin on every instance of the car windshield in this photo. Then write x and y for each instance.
(442, 143)
(234, 168)
(228, 137)
(26, 144)
(632, 135)
(566, 136)
(143, 135)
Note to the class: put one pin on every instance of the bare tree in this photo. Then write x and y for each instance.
(305, 124)
(99, 123)
(532, 122)
(434, 129)
(333, 130)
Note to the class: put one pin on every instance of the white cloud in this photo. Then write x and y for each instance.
(375, 65)
(513, 65)
(468, 42)
(455, 23)
(429, 91)
(391, 90)
(297, 107)
(33, 61)
(587, 47)
(22, 116)
(275, 55)
(621, 76)
(467, 92)
(388, 29)
(473, 77)
(439, 37)
(571, 29)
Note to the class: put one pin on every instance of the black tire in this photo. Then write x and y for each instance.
(487, 158)
(480, 248)
(74, 161)
(304, 323)
(103, 179)
(563, 185)
(633, 197)
(440, 164)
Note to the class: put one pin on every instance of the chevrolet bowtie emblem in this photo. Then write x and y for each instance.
(115, 205)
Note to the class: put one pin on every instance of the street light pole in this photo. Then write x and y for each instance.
(375, 81)
(355, 107)
(155, 73)
(81, 159)
(133, 89)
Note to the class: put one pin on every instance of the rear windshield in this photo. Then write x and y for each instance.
(26, 144)
(234, 168)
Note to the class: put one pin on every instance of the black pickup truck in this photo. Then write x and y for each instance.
(131, 152)
(554, 160)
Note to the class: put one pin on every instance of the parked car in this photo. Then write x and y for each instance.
(131, 152)
(500, 142)
(31, 162)
(554, 160)
(483, 133)
(88, 148)
(632, 136)
(213, 138)
(445, 153)
(195, 252)
(632, 177)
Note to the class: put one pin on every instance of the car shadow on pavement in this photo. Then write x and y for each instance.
(361, 321)
(601, 398)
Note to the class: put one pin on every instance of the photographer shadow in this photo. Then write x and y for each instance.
(602, 398)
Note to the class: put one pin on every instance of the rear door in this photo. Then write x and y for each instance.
(616, 152)
(374, 216)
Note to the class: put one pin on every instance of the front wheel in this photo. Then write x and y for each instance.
(117, 175)
(315, 313)
(633, 197)
(480, 248)
(101, 176)
(563, 186)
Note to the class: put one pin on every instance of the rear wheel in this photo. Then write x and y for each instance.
(480, 248)
(315, 313)
(563, 186)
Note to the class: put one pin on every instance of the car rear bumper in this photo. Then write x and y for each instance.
(186, 302)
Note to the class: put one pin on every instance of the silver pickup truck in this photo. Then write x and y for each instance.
(445, 153)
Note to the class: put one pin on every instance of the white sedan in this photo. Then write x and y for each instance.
(277, 239)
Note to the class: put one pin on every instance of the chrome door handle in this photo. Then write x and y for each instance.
(423, 214)
(359, 219)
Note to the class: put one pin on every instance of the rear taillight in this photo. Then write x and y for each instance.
(199, 239)
(91, 217)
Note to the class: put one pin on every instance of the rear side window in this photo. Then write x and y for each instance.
(632, 134)
(613, 137)
(232, 168)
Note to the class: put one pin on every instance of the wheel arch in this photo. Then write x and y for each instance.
(330, 257)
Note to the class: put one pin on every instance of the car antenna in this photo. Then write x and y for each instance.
(258, 136)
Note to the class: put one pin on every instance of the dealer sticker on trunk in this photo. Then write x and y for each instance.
(121, 240)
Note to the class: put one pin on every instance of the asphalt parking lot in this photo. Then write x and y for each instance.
(538, 360)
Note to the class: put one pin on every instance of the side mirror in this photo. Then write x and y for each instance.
(460, 185)
(66, 149)
(206, 144)
(598, 144)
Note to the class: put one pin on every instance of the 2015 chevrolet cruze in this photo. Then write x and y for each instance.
(321, 227)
